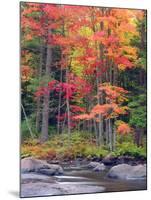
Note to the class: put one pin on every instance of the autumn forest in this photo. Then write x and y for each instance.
(83, 82)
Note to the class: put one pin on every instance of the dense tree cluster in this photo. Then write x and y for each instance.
(83, 68)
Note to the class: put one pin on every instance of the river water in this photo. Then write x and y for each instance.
(76, 179)
(77, 174)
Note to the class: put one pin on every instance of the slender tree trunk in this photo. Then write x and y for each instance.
(63, 123)
(106, 132)
(96, 132)
(99, 81)
(68, 106)
(45, 112)
(110, 135)
(59, 105)
(100, 117)
(138, 136)
(27, 122)
(114, 139)
(38, 112)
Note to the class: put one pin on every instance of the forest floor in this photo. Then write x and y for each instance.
(61, 148)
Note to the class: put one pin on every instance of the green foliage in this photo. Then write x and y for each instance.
(91, 151)
(25, 134)
(24, 130)
(129, 148)
(32, 44)
(59, 147)
(125, 146)
(138, 111)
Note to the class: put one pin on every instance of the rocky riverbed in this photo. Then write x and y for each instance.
(38, 178)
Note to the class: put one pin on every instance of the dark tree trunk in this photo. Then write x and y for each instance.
(59, 105)
(68, 106)
(138, 136)
(38, 111)
(45, 112)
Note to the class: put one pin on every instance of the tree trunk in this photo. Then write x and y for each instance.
(68, 106)
(27, 122)
(138, 136)
(110, 135)
(45, 112)
(38, 112)
(59, 105)
(114, 139)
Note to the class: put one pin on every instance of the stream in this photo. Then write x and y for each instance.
(76, 179)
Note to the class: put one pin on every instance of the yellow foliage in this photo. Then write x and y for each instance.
(86, 31)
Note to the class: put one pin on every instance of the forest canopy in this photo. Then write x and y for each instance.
(83, 80)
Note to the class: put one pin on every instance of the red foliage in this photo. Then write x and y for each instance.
(76, 109)
(98, 36)
(41, 91)
(112, 40)
(52, 84)
(122, 60)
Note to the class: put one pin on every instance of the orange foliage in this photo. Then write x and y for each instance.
(26, 73)
(83, 117)
(123, 129)
(113, 93)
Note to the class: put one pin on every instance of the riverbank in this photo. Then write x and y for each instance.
(78, 177)
(83, 146)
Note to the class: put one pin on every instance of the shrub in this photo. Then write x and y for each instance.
(128, 148)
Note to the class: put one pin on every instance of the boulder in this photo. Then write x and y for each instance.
(49, 172)
(125, 171)
(45, 189)
(99, 167)
(33, 177)
(138, 171)
(93, 164)
(40, 166)
(96, 166)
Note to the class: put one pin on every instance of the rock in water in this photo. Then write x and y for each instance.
(99, 167)
(138, 171)
(96, 166)
(125, 171)
(49, 172)
(33, 177)
(35, 165)
(93, 164)
(44, 189)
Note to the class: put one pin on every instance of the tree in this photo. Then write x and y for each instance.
(78, 64)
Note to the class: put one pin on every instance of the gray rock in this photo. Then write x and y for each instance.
(35, 165)
(138, 172)
(33, 177)
(125, 171)
(93, 164)
(96, 166)
(49, 172)
(44, 189)
(38, 189)
(99, 167)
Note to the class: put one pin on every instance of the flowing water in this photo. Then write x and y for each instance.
(76, 179)
(77, 174)
(89, 177)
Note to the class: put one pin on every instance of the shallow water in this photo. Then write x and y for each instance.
(89, 177)
(76, 179)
